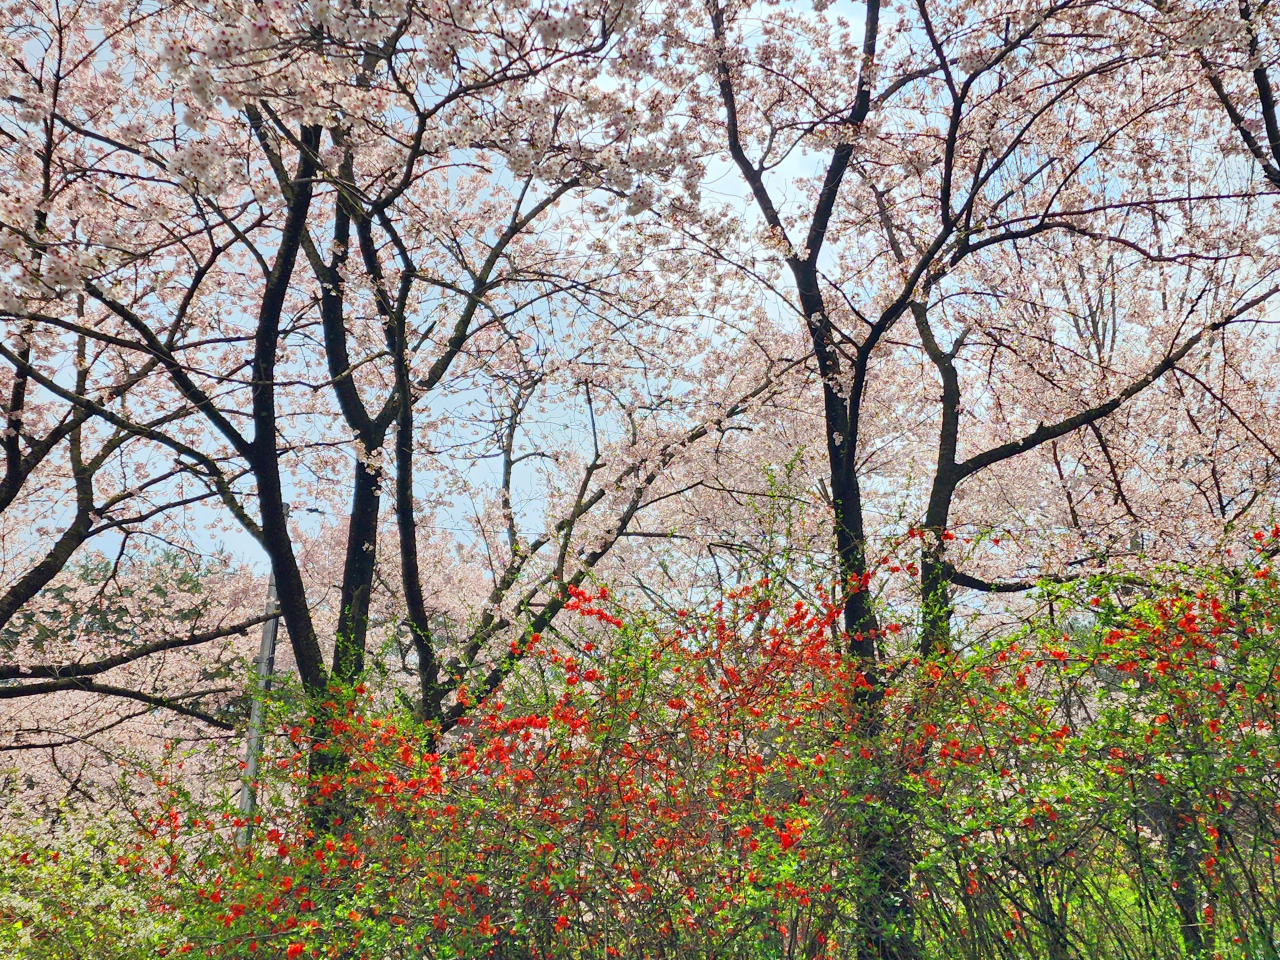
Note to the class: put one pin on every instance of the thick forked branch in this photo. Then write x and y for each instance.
(841, 409)
(151, 430)
(262, 453)
(78, 531)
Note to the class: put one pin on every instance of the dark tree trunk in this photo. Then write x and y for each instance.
(263, 453)
(841, 415)
(935, 572)
(887, 912)
(1179, 838)
(886, 909)
(407, 528)
(357, 575)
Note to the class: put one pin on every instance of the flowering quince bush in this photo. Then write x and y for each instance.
(720, 783)
(1114, 792)
(640, 787)
(450, 311)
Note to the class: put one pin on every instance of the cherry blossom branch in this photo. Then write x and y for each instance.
(97, 667)
(1047, 432)
(491, 624)
(82, 685)
(1005, 586)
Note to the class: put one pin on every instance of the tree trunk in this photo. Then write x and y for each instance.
(357, 574)
(1179, 847)
(935, 574)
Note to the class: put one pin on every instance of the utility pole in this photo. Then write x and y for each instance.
(266, 665)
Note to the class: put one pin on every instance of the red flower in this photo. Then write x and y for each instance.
(294, 950)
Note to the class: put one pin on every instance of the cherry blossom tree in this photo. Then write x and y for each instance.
(1008, 244)
(376, 267)
(447, 307)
